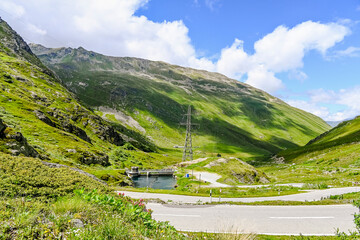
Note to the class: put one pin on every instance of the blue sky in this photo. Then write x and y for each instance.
(307, 52)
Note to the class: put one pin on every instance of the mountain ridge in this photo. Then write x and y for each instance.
(160, 93)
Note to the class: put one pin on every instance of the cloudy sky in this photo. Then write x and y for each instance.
(307, 52)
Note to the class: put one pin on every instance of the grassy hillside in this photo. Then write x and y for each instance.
(331, 158)
(337, 147)
(40, 118)
(151, 98)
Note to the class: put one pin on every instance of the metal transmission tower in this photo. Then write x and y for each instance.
(188, 152)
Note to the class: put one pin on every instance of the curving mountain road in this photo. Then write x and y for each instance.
(311, 195)
(269, 220)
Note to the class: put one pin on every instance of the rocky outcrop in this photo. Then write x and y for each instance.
(15, 143)
(62, 124)
(250, 177)
(249, 174)
(70, 128)
(108, 133)
(90, 158)
(278, 159)
(79, 115)
(41, 116)
(102, 129)
(2, 128)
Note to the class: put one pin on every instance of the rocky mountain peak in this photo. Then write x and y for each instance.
(15, 45)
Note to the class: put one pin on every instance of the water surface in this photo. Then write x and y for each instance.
(156, 182)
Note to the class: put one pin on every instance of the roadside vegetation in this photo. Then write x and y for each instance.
(225, 192)
(39, 202)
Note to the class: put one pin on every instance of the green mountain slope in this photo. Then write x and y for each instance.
(337, 147)
(41, 118)
(151, 98)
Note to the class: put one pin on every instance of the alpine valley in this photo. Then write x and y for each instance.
(72, 121)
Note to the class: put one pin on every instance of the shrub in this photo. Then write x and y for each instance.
(29, 177)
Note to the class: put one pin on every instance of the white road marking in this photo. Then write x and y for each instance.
(301, 217)
(175, 215)
(262, 233)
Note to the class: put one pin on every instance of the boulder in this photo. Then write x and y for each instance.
(77, 223)
(15, 142)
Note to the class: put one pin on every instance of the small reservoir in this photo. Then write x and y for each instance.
(156, 182)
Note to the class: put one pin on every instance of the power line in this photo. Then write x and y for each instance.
(188, 149)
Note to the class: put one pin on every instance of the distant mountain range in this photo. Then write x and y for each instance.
(333, 123)
(152, 98)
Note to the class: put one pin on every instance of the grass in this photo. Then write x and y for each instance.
(39, 202)
(29, 178)
(338, 147)
(233, 171)
(233, 117)
(102, 216)
(312, 174)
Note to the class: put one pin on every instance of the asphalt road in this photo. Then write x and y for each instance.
(213, 177)
(270, 220)
(312, 195)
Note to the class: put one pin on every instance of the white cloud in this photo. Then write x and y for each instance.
(319, 100)
(111, 27)
(13, 9)
(211, 4)
(311, 107)
(348, 52)
(234, 61)
(297, 74)
(284, 49)
(35, 29)
(261, 78)
(280, 51)
(322, 96)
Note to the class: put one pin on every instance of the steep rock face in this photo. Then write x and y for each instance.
(15, 143)
(155, 95)
(14, 44)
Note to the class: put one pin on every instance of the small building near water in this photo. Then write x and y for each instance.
(135, 172)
